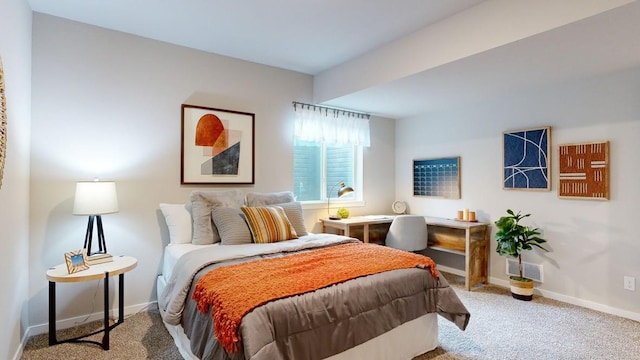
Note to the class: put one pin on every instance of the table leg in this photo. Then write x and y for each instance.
(121, 298)
(107, 328)
(365, 234)
(467, 259)
(52, 313)
(105, 338)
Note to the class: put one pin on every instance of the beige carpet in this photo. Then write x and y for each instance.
(500, 328)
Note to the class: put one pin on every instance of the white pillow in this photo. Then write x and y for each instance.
(178, 219)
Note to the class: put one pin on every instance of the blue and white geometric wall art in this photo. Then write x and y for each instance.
(527, 159)
(437, 178)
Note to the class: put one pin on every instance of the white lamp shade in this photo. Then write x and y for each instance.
(95, 198)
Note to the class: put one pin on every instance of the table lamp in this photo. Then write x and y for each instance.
(95, 198)
(344, 190)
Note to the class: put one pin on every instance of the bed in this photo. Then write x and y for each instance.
(383, 315)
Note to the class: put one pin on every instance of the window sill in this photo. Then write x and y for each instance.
(335, 204)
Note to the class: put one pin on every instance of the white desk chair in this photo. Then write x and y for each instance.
(407, 232)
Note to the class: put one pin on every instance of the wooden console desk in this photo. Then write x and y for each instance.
(468, 239)
(346, 225)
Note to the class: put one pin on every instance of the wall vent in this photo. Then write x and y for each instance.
(529, 270)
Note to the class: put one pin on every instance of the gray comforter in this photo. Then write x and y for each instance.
(315, 325)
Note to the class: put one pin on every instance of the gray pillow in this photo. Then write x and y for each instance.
(264, 199)
(293, 210)
(202, 203)
(232, 226)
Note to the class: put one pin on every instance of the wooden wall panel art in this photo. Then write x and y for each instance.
(584, 171)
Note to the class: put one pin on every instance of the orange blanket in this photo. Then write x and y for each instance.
(235, 290)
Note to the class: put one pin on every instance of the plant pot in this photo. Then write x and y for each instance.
(521, 288)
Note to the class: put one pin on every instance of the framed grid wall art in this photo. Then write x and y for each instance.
(527, 159)
(437, 177)
(584, 171)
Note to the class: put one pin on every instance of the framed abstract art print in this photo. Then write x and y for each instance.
(526, 159)
(217, 146)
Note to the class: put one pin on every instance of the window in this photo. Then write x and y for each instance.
(318, 167)
(328, 150)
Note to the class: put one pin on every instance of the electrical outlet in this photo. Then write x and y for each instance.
(630, 283)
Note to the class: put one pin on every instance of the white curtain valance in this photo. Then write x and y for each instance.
(331, 126)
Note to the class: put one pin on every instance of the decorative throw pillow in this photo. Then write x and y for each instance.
(232, 226)
(269, 224)
(203, 202)
(264, 199)
(293, 210)
(178, 219)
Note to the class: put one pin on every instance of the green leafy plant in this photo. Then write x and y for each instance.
(514, 238)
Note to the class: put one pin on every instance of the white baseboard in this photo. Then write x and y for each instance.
(78, 320)
(557, 296)
(590, 305)
(450, 270)
(23, 343)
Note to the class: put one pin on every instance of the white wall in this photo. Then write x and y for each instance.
(593, 243)
(107, 104)
(15, 51)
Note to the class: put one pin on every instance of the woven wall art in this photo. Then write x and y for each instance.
(584, 171)
(3, 124)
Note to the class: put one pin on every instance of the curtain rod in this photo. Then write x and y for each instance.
(326, 108)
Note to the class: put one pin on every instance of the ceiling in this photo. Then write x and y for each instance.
(592, 47)
(314, 36)
(308, 36)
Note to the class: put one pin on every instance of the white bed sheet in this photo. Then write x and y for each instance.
(173, 252)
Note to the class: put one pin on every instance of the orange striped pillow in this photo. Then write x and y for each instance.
(269, 224)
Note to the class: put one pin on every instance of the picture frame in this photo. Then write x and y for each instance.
(527, 159)
(76, 261)
(217, 146)
(584, 171)
(3, 124)
(437, 177)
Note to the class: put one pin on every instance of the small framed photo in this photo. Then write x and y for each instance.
(76, 261)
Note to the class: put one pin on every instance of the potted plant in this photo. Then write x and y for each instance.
(514, 238)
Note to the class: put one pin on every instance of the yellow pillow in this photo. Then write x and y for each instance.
(269, 224)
